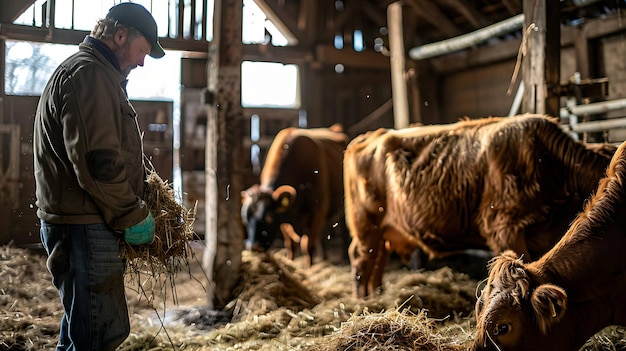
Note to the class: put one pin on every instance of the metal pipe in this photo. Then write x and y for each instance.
(593, 108)
(470, 39)
(596, 126)
(467, 40)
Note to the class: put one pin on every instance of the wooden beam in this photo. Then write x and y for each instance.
(308, 23)
(11, 10)
(344, 17)
(364, 59)
(428, 11)
(553, 57)
(513, 6)
(397, 60)
(473, 16)
(541, 64)
(224, 235)
(281, 19)
(75, 37)
(282, 54)
(373, 13)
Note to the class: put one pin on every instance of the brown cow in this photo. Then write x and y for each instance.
(300, 194)
(573, 291)
(494, 183)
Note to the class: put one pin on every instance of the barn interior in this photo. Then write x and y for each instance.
(364, 64)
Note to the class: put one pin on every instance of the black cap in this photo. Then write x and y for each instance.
(136, 16)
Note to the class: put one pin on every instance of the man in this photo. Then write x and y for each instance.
(89, 175)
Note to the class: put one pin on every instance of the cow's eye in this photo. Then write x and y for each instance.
(500, 329)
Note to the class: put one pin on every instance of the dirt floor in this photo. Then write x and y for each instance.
(279, 305)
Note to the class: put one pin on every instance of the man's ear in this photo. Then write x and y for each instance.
(120, 37)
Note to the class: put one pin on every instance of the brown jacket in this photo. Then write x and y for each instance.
(88, 153)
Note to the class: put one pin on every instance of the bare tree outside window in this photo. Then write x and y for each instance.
(29, 65)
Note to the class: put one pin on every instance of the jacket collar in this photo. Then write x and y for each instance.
(104, 50)
(98, 46)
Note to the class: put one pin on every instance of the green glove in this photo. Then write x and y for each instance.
(142, 232)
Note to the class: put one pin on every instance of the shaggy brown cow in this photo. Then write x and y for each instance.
(493, 183)
(573, 291)
(300, 193)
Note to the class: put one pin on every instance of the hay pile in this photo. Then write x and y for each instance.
(30, 308)
(282, 306)
(279, 306)
(393, 330)
(154, 266)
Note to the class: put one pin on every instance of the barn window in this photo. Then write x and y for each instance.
(358, 43)
(29, 66)
(269, 84)
(82, 15)
(338, 42)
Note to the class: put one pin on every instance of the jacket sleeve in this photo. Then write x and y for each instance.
(103, 143)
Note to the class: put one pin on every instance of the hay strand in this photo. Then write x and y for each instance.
(154, 266)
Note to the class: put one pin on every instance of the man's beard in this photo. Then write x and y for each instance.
(123, 56)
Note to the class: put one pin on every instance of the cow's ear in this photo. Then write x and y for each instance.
(284, 196)
(549, 304)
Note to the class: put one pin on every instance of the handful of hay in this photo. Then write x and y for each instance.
(169, 254)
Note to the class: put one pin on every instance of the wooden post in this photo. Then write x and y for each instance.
(224, 233)
(542, 62)
(398, 82)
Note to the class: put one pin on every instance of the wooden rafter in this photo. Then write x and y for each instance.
(513, 6)
(473, 16)
(374, 13)
(11, 10)
(429, 11)
(283, 20)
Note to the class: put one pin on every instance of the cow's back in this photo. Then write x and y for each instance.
(446, 185)
(310, 160)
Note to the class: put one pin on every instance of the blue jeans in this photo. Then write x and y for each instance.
(87, 269)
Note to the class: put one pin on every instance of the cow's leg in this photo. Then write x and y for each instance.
(382, 257)
(304, 248)
(318, 223)
(290, 238)
(362, 259)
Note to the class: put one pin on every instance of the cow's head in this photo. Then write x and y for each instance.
(513, 312)
(262, 211)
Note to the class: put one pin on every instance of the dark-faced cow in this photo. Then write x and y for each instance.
(493, 183)
(300, 194)
(573, 291)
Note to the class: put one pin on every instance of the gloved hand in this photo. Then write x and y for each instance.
(142, 232)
